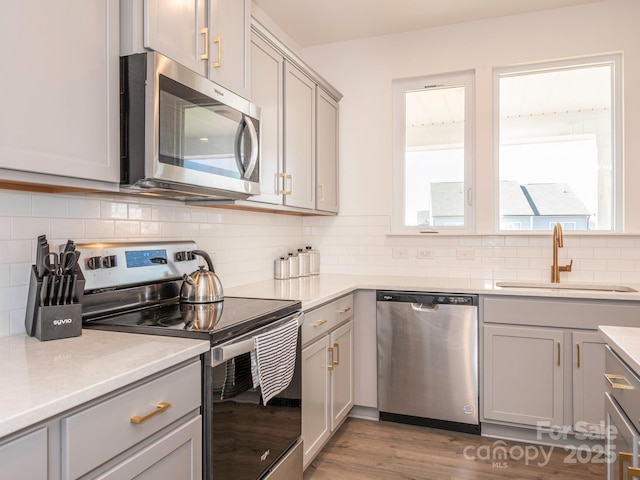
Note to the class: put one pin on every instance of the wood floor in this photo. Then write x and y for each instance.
(364, 449)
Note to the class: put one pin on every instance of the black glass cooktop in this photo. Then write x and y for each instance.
(217, 322)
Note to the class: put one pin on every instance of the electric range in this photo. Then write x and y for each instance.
(135, 288)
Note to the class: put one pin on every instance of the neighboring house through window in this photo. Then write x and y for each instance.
(558, 144)
(433, 153)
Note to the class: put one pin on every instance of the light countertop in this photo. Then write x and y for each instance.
(40, 380)
(318, 289)
(625, 341)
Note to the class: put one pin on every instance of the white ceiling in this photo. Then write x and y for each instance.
(315, 22)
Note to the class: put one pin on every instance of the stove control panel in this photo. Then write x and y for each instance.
(113, 265)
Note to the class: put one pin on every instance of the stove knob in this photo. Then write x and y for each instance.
(184, 256)
(93, 263)
(110, 261)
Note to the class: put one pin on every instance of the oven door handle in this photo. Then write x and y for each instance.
(246, 343)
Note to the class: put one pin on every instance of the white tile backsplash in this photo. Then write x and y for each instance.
(601, 258)
(243, 245)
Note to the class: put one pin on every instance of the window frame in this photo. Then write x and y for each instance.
(615, 60)
(466, 78)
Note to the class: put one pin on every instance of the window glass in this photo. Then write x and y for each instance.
(557, 143)
(432, 153)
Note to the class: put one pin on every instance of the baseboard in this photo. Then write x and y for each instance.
(365, 413)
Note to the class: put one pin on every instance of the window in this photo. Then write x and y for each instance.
(433, 153)
(558, 145)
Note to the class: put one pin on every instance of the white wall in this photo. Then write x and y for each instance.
(363, 71)
(243, 245)
(358, 241)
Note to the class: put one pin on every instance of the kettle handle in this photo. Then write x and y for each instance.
(207, 258)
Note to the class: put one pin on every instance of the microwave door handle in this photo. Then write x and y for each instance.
(238, 147)
(253, 156)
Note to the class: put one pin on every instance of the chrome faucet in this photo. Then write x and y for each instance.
(558, 243)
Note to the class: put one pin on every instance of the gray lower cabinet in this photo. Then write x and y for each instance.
(523, 374)
(543, 361)
(132, 418)
(588, 369)
(149, 430)
(174, 455)
(327, 373)
(26, 457)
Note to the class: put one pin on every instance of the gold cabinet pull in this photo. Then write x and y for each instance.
(321, 188)
(218, 63)
(318, 323)
(558, 353)
(282, 191)
(330, 364)
(289, 177)
(336, 347)
(623, 457)
(632, 472)
(344, 309)
(578, 349)
(205, 31)
(611, 378)
(161, 407)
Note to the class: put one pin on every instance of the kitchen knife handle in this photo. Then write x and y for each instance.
(161, 407)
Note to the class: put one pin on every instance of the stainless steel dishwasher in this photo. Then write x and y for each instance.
(428, 359)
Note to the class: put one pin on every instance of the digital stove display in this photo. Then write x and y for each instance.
(145, 258)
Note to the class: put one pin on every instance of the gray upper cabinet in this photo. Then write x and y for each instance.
(298, 130)
(60, 111)
(178, 30)
(230, 37)
(267, 70)
(326, 152)
(211, 37)
(299, 138)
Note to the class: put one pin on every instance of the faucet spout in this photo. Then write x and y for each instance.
(558, 243)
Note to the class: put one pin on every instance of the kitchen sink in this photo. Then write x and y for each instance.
(602, 287)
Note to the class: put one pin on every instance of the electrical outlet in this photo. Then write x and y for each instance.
(400, 252)
(465, 254)
(425, 253)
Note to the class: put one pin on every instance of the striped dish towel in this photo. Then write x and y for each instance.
(274, 359)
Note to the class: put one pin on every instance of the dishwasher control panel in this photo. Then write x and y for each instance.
(427, 298)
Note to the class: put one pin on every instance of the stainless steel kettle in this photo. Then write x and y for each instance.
(202, 286)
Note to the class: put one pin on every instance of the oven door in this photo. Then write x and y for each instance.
(243, 438)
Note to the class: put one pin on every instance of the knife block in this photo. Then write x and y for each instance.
(51, 322)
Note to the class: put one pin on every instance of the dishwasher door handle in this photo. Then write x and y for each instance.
(422, 307)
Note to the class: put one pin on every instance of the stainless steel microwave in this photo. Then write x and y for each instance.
(182, 135)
